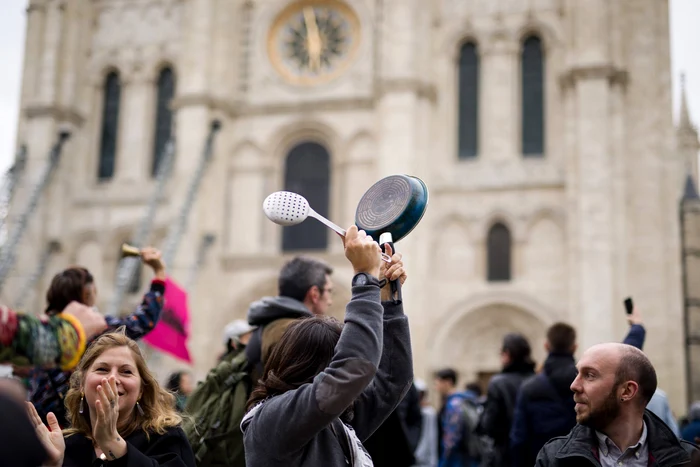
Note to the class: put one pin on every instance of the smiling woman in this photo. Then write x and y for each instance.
(118, 412)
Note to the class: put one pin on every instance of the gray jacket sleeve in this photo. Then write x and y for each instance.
(393, 378)
(298, 415)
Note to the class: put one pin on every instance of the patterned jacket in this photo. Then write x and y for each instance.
(58, 341)
(49, 387)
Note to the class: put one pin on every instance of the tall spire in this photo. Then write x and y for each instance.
(684, 122)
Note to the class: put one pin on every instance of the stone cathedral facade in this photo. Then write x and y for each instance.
(543, 129)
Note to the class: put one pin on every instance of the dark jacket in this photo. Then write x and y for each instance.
(371, 371)
(497, 418)
(580, 447)
(544, 409)
(20, 446)
(395, 441)
(691, 431)
(170, 449)
(271, 316)
(545, 403)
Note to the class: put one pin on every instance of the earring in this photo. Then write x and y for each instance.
(82, 397)
(138, 407)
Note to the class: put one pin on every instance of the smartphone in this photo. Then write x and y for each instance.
(629, 306)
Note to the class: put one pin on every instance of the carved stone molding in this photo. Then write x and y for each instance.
(421, 88)
(613, 74)
(124, 24)
(60, 114)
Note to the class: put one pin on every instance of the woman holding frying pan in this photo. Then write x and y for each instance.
(327, 386)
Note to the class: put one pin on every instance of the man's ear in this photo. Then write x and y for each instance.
(629, 390)
(313, 294)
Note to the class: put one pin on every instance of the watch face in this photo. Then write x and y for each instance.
(313, 41)
(360, 279)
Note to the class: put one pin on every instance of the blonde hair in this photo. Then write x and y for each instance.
(158, 404)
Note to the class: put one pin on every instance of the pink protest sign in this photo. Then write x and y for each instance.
(171, 333)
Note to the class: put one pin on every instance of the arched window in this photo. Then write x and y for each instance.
(468, 126)
(110, 127)
(164, 115)
(532, 92)
(498, 247)
(307, 172)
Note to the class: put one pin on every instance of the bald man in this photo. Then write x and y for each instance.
(612, 388)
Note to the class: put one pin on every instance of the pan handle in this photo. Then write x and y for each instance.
(395, 285)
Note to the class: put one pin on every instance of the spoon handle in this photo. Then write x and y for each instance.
(326, 222)
(339, 230)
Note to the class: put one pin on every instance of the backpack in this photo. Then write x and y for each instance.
(471, 441)
(215, 411)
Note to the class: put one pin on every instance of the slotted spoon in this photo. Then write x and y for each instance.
(287, 208)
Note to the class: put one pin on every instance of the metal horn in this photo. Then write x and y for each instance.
(129, 250)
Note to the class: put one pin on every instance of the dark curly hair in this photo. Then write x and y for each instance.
(305, 350)
(67, 286)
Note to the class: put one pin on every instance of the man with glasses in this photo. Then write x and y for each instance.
(305, 288)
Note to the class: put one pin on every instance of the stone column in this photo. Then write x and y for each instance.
(136, 127)
(593, 239)
(39, 131)
(499, 106)
(402, 107)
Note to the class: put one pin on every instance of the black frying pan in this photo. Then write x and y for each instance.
(391, 209)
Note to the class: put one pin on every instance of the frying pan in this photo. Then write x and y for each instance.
(391, 209)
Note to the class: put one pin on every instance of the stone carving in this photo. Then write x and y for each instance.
(120, 24)
(463, 8)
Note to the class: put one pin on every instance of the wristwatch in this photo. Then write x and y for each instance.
(362, 279)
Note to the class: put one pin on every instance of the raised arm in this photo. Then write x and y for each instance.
(144, 319)
(296, 416)
(395, 373)
(57, 341)
(637, 334)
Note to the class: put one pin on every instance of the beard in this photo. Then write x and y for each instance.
(600, 417)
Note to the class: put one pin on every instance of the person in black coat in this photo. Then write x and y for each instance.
(118, 412)
(20, 446)
(396, 440)
(502, 391)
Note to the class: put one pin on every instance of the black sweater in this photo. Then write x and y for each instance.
(170, 449)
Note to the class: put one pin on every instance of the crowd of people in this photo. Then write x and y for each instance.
(295, 387)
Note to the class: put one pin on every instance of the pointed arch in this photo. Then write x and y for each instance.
(110, 126)
(307, 172)
(165, 90)
(468, 119)
(532, 74)
(499, 252)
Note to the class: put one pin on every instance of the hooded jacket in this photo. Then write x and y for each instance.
(371, 371)
(580, 447)
(271, 316)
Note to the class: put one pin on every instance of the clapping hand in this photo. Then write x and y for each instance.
(52, 440)
(104, 429)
